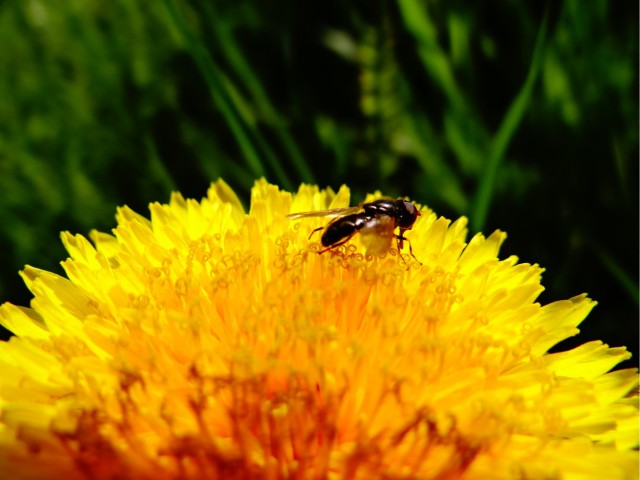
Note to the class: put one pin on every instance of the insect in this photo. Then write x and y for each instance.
(375, 221)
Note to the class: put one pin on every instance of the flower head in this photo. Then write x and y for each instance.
(210, 343)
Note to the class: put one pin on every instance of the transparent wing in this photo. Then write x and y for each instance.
(333, 212)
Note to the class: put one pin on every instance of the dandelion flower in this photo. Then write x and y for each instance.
(206, 342)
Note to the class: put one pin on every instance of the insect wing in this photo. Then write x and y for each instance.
(333, 212)
(377, 234)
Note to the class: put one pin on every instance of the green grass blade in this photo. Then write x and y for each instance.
(244, 72)
(505, 133)
(617, 272)
(434, 59)
(230, 110)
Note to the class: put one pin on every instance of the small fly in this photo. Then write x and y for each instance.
(375, 221)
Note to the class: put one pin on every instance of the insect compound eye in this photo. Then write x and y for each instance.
(409, 215)
(410, 207)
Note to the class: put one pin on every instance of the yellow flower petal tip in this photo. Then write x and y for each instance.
(206, 342)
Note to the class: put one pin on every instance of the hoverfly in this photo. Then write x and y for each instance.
(375, 221)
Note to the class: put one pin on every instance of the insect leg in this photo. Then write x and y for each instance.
(400, 239)
(314, 231)
(341, 242)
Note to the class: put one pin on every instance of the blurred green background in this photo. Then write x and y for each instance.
(521, 115)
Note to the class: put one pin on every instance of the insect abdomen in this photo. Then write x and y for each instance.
(342, 228)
